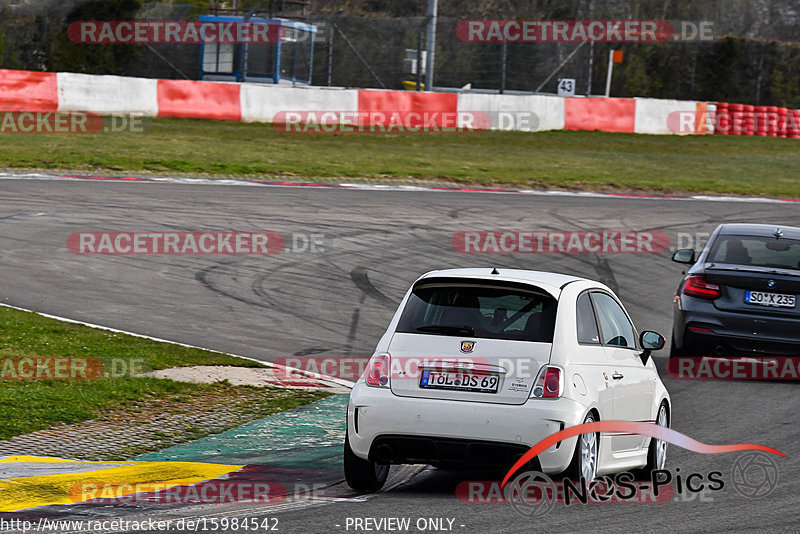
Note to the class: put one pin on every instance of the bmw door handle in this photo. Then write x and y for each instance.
(617, 376)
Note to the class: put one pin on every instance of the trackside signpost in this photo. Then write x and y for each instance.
(614, 56)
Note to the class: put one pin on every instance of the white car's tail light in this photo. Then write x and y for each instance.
(549, 383)
(377, 371)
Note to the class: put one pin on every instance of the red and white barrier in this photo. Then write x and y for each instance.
(47, 92)
(199, 100)
(402, 103)
(28, 91)
(261, 103)
(655, 116)
(604, 114)
(526, 113)
(107, 94)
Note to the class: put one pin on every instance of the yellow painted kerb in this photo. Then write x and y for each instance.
(68, 488)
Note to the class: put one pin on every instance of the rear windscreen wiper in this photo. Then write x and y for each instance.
(447, 329)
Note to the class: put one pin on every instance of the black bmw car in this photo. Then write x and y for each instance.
(739, 297)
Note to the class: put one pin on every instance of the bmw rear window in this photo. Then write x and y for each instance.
(482, 311)
(756, 251)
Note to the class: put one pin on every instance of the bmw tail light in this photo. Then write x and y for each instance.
(549, 384)
(377, 372)
(697, 286)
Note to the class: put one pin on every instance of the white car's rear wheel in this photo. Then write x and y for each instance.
(584, 459)
(657, 451)
(657, 455)
(362, 475)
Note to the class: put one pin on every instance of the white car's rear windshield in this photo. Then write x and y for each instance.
(480, 310)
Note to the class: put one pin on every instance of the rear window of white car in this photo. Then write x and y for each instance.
(477, 310)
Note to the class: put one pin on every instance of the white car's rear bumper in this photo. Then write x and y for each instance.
(380, 413)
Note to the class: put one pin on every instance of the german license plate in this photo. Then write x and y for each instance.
(459, 381)
(775, 300)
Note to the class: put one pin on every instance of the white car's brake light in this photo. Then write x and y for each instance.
(549, 383)
(377, 371)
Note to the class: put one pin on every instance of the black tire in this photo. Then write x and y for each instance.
(574, 472)
(653, 462)
(363, 476)
(674, 351)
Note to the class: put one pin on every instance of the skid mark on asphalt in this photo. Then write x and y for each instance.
(360, 278)
(248, 282)
(605, 274)
(351, 334)
(236, 272)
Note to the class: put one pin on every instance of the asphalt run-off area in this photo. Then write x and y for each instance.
(335, 300)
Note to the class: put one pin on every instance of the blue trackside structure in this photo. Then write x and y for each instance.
(290, 60)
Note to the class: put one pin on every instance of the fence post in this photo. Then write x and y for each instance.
(433, 8)
(503, 58)
(419, 52)
(591, 65)
(609, 72)
(330, 55)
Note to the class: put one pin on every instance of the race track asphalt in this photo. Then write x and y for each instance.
(338, 300)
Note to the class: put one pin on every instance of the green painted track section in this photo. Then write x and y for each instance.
(306, 436)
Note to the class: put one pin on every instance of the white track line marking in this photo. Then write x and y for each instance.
(388, 187)
(339, 381)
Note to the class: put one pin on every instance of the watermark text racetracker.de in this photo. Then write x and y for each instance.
(28, 122)
(454, 369)
(193, 243)
(663, 486)
(695, 240)
(68, 367)
(175, 32)
(404, 121)
(118, 492)
(383, 121)
(733, 123)
(582, 31)
(560, 242)
(734, 368)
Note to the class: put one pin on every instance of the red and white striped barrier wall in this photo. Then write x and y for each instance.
(107, 94)
(527, 113)
(28, 91)
(402, 103)
(199, 100)
(47, 92)
(604, 114)
(261, 103)
(681, 117)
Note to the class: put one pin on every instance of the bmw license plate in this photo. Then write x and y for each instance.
(459, 381)
(775, 300)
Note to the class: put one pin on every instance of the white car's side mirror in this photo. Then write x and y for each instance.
(650, 341)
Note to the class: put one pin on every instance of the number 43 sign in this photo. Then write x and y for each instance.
(566, 87)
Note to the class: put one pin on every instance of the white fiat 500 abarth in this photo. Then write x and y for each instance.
(479, 365)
